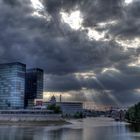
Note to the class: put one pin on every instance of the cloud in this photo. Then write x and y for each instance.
(12, 3)
(39, 38)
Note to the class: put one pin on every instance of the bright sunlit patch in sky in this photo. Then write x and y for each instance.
(47, 95)
(74, 19)
(135, 63)
(108, 23)
(39, 10)
(130, 43)
(128, 1)
(37, 4)
(85, 75)
(110, 69)
(93, 34)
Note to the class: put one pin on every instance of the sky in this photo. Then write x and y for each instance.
(89, 49)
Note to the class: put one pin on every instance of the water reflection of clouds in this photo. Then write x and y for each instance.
(86, 129)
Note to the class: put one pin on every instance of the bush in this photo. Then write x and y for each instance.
(54, 108)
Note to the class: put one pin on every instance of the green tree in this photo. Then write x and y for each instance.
(54, 108)
(133, 114)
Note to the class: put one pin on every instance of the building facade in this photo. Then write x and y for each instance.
(34, 86)
(12, 85)
(71, 108)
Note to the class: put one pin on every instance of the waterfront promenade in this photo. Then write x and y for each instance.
(29, 116)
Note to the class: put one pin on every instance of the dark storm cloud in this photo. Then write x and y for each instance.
(11, 2)
(64, 50)
(110, 87)
(62, 83)
(101, 11)
(93, 11)
(128, 25)
(45, 41)
(109, 80)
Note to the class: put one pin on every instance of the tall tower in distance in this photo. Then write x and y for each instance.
(34, 86)
(60, 98)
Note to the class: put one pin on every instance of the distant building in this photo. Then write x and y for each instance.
(34, 86)
(12, 85)
(38, 102)
(53, 100)
(67, 108)
(118, 114)
(71, 108)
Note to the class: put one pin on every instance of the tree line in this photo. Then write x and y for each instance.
(133, 114)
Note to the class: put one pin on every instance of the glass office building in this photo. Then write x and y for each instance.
(12, 85)
(34, 86)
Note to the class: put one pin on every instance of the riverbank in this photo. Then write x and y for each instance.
(34, 123)
(32, 119)
(133, 122)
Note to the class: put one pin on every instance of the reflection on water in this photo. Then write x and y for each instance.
(86, 129)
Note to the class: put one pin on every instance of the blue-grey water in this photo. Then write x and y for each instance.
(84, 129)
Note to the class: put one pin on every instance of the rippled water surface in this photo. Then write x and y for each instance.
(86, 129)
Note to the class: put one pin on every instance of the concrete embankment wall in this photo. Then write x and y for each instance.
(29, 117)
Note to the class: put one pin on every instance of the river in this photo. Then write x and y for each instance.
(84, 129)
